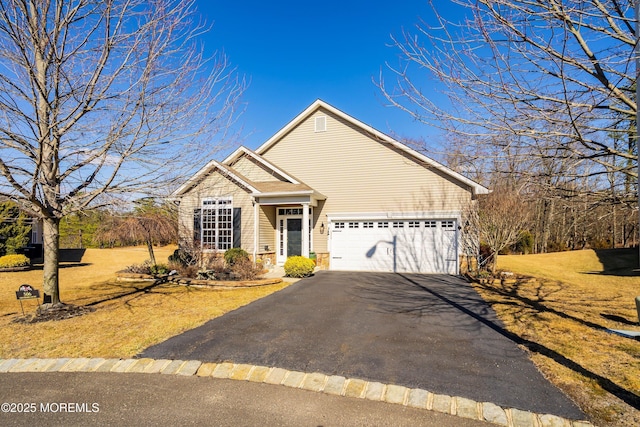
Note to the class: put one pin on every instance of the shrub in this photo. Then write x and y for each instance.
(159, 269)
(182, 257)
(14, 260)
(147, 268)
(233, 255)
(143, 268)
(190, 271)
(524, 245)
(214, 262)
(244, 269)
(298, 266)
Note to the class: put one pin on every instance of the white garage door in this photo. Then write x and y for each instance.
(402, 246)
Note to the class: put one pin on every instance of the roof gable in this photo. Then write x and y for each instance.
(290, 182)
(262, 188)
(375, 134)
(210, 168)
(244, 151)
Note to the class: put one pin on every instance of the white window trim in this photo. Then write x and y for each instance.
(216, 228)
(280, 244)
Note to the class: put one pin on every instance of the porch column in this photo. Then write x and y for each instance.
(305, 229)
(256, 228)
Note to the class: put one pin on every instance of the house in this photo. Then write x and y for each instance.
(329, 185)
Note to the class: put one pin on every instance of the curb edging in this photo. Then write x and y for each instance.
(314, 382)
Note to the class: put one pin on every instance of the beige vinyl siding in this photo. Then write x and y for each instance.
(360, 174)
(254, 171)
(267, 228)
(319, 217)
(216, 185)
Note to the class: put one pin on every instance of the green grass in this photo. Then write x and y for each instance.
(559, 306)
(129, 316)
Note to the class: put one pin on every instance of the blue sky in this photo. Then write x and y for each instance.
(294, 52)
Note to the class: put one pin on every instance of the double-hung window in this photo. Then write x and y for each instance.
(213, 224)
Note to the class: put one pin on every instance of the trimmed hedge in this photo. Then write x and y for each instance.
(14, 260)
(299, 266)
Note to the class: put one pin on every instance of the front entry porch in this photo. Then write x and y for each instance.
(294, 232)
(293, 222)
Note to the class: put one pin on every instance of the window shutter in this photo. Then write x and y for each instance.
(237, 227)
(197, 225)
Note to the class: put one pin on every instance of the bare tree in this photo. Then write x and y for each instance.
(527, 68)
(502, 216)
(528, 80)
(100, 99)
(148, 223)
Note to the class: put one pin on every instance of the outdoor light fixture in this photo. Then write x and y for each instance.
(322, 228)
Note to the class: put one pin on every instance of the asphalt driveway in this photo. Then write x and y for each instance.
(172, 400)
(424, 331)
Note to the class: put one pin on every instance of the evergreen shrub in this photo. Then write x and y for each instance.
(299, 266)
(235, 255)
(13, 260)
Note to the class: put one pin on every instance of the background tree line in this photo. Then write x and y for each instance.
(563, 216)
(536, 100)
(148, 221)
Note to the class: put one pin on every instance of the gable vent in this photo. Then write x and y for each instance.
(321, 124)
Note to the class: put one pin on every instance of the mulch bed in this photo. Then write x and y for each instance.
(59, 312)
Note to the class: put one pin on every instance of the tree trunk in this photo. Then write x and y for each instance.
(547, 218)
(152, 256)
(51, 239)
(493, 264)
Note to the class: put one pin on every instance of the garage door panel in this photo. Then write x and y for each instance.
(357, 249)
(428, 250)
(424, 246)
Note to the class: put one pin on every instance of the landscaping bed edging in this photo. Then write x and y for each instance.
(216, 284)
(14, 269)
(223, 284)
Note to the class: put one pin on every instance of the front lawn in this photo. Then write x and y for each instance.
(559, 306)
(128, 316)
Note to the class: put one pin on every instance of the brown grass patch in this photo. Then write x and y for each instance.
(559, 307)
(128, 316)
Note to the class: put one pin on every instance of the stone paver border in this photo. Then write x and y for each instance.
(315, 382)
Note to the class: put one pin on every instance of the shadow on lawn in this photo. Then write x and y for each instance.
(620, 319)
(122, 290)
(618, 262)
(65, 265)
(490, 321)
